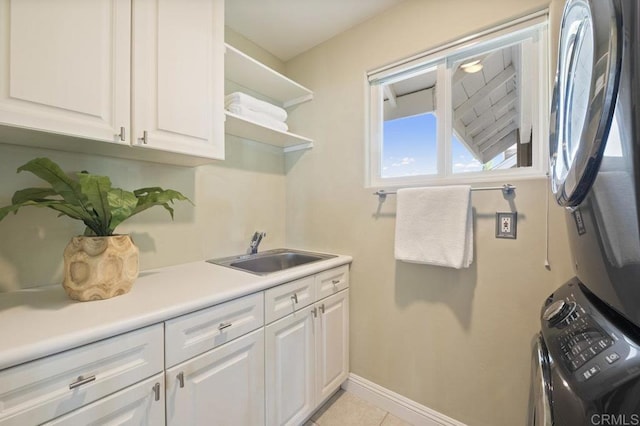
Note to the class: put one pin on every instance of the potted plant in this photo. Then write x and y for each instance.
(99, 264)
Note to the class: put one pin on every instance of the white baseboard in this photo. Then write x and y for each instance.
(401, 407)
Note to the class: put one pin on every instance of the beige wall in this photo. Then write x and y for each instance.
(248, 47)
(455, 341)
(233, 198)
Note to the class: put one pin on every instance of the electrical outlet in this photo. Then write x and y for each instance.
(506, 225)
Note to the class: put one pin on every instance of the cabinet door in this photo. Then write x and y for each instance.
(332, 344)
(140, 404)
(224, 386)
(289, 362)
(65, 66)
(178, 69)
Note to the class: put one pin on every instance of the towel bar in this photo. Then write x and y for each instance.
(507, 189)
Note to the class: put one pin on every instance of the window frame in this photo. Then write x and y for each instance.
(532, 27)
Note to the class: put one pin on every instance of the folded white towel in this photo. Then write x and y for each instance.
(434, 226)
(257, 117)
(257, 105)
(616, 217)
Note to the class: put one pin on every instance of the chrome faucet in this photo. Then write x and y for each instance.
(255, 242)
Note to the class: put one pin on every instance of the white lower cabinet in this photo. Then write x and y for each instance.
(290, 365)
(223, 366)
(224, 386)
(307, 359)
(332, 344)
(41, 390)
(141, 404)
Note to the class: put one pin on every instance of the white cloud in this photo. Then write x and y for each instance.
(472, 166)
(404, 162)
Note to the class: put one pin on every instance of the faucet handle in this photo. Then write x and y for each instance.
(257, 236)
(255, 241)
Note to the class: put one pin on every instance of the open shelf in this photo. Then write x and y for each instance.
(248, 129)
(249, 73)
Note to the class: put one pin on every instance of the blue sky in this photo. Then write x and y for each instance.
(410, 146)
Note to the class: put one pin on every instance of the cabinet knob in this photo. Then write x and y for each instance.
(294, 297)
(180, 378)
(82, 381)
(156, 392)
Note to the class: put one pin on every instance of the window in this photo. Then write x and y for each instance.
(470, 111)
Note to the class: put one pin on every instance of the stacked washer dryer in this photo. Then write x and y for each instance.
(586, 368)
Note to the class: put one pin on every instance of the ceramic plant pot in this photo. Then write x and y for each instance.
(98, 268)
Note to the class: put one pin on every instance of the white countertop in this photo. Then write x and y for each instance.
(42, 321)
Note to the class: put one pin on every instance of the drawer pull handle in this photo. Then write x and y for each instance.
(145, 137)
(156, 391)
(82, 381)
(314, 311)
(335, 282)
(322, 308)
(224, 325)
(122, 134)
(295, 297)
(180, 378)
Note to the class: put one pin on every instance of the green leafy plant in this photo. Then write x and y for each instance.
(89, 198)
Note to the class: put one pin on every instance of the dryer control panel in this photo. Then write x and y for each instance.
(590, 351)
(581, 339)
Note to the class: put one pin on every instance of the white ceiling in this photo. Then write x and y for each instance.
(287, 28)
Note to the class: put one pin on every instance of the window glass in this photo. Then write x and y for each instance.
(409, 146)
(469, 111)
(410, 134)
(487, 95)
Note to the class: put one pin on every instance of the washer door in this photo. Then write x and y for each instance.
(584, 94)
(540, 396)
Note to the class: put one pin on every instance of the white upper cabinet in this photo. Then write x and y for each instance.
(64, 66)
(247, 74)
(73, 72)
(178, 55)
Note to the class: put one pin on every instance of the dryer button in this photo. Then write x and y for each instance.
(612, 357)
(590, 372)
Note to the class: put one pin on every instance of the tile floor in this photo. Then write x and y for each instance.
(346, 409)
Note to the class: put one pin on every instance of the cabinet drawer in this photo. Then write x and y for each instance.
(41, 390)
(287, 298)
(193, 334)
(141, 404)
(332, 281)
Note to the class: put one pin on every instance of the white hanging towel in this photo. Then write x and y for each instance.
(434, 226)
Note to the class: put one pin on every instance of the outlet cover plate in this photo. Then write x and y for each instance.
(506, 225)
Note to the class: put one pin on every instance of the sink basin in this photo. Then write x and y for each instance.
(270, 261)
